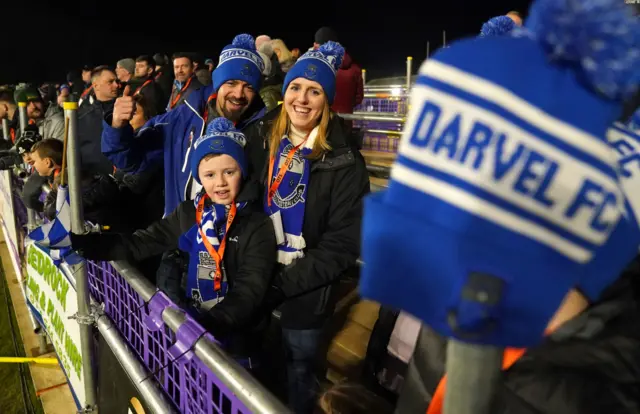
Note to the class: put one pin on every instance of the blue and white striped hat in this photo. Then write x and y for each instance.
(504, 170)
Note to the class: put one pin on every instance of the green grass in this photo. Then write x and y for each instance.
(18, 394)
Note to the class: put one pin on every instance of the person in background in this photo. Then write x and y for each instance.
(210, 64)
(349, 84)
(316, 205)
(231, 265)
(285, 58)
(201, 70)
(271, 91)
(90, 121)
(186, 82)
(163, 75)
(51, 127)
(9, 110)
(125, 69)
(100, 194)
(261, 40)
(143, 83)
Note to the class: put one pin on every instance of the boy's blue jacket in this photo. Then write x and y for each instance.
(169, 137)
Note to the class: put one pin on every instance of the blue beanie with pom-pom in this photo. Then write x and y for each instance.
(497, 26)
(239, 61)
(320, 66)
(504, 183)
(221, 137)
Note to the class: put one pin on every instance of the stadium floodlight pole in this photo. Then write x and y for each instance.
(85, 316)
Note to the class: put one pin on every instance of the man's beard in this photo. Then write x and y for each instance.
(235, 115)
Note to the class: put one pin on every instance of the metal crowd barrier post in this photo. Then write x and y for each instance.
(244, 386)
(148, 389)
(409, 65)
(5, 129)
(22, 112)
(85, 316)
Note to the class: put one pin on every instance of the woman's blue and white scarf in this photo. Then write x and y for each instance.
(202, 267)
(288, 205)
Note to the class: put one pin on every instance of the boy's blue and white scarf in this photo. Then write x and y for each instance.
(202, 267)
(288, 205)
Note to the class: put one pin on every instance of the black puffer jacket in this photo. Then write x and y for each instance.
(248, 260)
(590, 365)
(331, 228)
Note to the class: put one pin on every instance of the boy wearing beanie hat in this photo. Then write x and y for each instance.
(504, 186)
(232, 95)
(231, 242)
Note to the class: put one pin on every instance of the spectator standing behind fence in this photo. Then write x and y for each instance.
(285, 58)
(52, 127)
(125, 69)
(90, 120)
(315, 205)
(230, 240)
(271, 91)
(9, 110)
(201, 70)
(163, 75)
(349, 84)
(143, 83)
(100, 195)
(186, 82)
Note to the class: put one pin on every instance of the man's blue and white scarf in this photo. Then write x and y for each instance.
(288, 205)
(202, 267)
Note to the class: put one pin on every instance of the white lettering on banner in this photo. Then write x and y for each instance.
(496, 158)
(54, 298)
(627, 147)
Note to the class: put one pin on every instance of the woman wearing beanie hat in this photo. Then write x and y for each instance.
(314, 184)
(230, 241)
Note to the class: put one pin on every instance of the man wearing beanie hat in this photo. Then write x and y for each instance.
(230, 241)
(50, 127)
(504, 187)
(232, 95)
(125, 69)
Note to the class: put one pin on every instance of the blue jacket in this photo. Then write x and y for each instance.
(173, 133)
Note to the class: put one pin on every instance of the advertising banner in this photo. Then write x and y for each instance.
(53, 298)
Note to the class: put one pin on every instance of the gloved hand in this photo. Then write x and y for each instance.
(100, 247)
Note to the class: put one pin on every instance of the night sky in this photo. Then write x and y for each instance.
(44, 40)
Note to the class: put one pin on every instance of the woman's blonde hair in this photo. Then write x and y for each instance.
(281, 128)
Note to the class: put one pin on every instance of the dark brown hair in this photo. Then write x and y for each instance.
(349, 398)
(49, 148)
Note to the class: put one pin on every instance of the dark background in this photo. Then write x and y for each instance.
(43, 40)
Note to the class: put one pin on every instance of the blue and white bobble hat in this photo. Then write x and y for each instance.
(320, 65)
(239, 61)
(504, 170)
(221, 137)
(497, 26)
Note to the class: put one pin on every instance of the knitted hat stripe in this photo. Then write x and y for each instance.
(529, 130)
(493, 92)
(499, 211)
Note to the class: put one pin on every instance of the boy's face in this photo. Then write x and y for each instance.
(221, 178)
(44, 166)
(27, 158)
